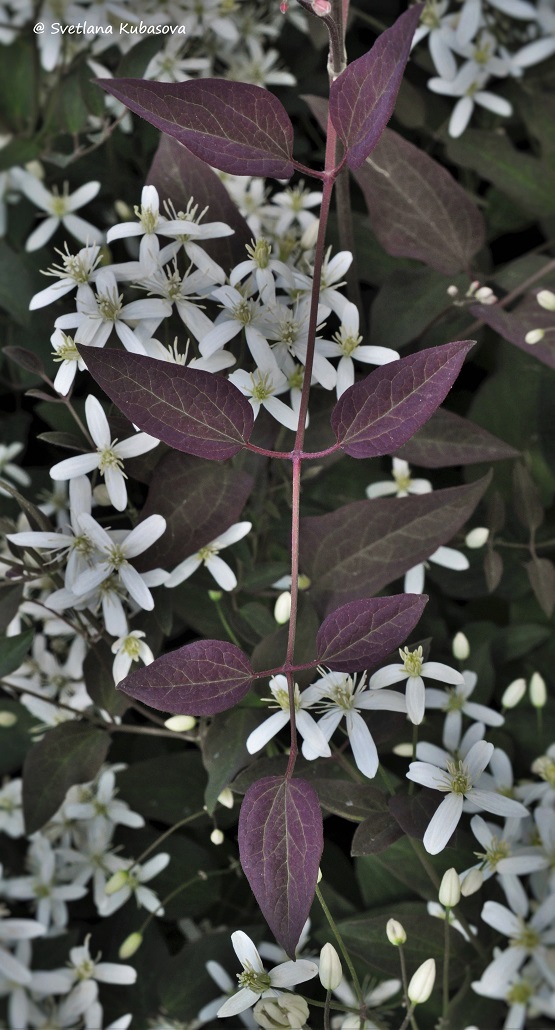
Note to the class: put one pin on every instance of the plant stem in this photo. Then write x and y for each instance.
(342, 948)
(446, 946)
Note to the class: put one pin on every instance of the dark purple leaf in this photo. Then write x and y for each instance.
(280, 846)
(360, 548)
(448, 439)
(192, 411)
(362, 633)
(202, 678)
(417, 209)
(352, 801)
(381, 412)
(178, 175)
(375, 834)
(67, 754)
(513, 326)
(527, 503)
(234, 126)
(541, 574)
(414, 813)
(26, 359)
(362, 98)
(204, 500)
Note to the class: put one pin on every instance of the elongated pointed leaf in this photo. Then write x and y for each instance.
(190, 410)
(417, 209)
(448, 439)
(380, 413)
(202, 678)
(234, 126)
(360, 548)
(361, 634)
(362, 98)
(280, 846)
(67, 754)
(514, 325)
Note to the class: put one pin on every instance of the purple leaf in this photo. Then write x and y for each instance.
(204, 500)
(361, 634)
(193, 411)
(360, 548)
(448, 439)
(417, 209)
(541, 575)
(280, 846)
(514, 325)
(234, 126)
(178, 175)
(493, 569)
(202, 678)
(381, 412)
(362, 98)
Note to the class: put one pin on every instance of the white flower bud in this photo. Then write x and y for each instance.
(310, 235)
(180, 723)
(117, 882)
(7, 719)
(287, 1011)
(395, 932)
(461, 647)
(477, 537)
(534, 336)
(226, 798)
(330, 971)
(123, 210)
(422, 983)
(485, 295)
(217, 837)
(404, 750)
(538, 690)
(101, 496)
(546, 299)
(319, 877)
(472, 882)
(282, 608)
(450, 889)
(513, 693)
(130, 945)
(453, 291)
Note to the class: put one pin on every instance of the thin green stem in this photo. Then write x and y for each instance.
(446, 956)
(223, 618)
(164, 836)
(327, 1023)
(342, 948)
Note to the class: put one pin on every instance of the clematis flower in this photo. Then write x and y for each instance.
(401, 485)
(108, 457)
(256, 983)
(454, 702)
(346, 345)
(209, 556)
(413, 670)
(127, 650)
(114, 558)
(60, 209)
(447, 557)
(457, 780)
(315, 744)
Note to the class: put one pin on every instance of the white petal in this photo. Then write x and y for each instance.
(144, 535)
(233, 534)
(82, 230)
(136, 587)
(76, 466)
(501, 919)
(416, 699)
(42, 233)
(115, 485)
(385, 489)
(183, 571)
(449, 558)
(444, 673)
(494, 103)
(414, 580)
(141, 443)
(244, 999)
(83, 195)
(364, 749)
(246, 951)
(290, 973)
(497, 804)
(427, 775)
(313, 736)
(267, 729)
(477, 759)
(386, 676)
(220, 570)
(443, 824)
(462, 113)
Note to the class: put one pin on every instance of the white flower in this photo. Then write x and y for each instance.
(333, 270)
(65, 351)
(503, 858)
(59, 208)
(240, 313)
(7, 467)
(255, 982)
(346, 345)
(263, 266)
(76, 270)
(532, 938)
(315, 744)
(436, 26)
(294, 204)
(455, 702)
(209, 556)
(372, 999)
(261, 388)
(402, 484)
(43, 886)
(447, 557)
(413, 670)
(457, 779)
(227, 985)
(99, 805)
(468, 86)
(115, 555)
(108, 457)
(129, 880)
(347, 698)
(83, 967)
(11, 811)
(127, 650)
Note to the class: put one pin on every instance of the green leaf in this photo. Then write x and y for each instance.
(408, 301)
(517, 641)
(18, 282)
(15, 740)
(167, 789)
(223, 750)
(67, 754)
(529, 181)
(13, 651)
(99, 680)
(18, 84)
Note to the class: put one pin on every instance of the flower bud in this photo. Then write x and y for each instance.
(287, 1011)
(453, 291)
(217, 837)
(395, 932)
(422, 983)
(450, 889)
(310, 235)
(472, 882)
(534, 336)
(123, 210)
(117, 881)
(513, 693)
(461, 647)
(101, 496)
(538, 690)
(546, 299)
(7, 719)
(180, 723)
(282, 608)
(405, 750)
(477, 537)
(130, 945)
(321, 7)
(226, 798)
(330, 971)
(215, 595)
